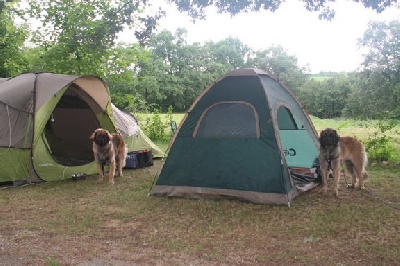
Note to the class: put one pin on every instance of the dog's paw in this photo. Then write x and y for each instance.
(323, 190)
(337, 194)
(100, 180)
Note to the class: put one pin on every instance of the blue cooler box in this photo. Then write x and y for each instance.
(131, 160)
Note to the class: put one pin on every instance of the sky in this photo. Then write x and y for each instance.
(321, 45)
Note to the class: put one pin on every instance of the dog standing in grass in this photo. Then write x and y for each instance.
(108, 149)
(336, 150)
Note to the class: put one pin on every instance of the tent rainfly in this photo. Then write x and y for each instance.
(46, 120)
(242, 138)
(134, 137)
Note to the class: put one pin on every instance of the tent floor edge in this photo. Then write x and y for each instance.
(216, 193)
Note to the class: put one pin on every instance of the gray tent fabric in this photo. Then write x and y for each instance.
(127, 124)
(135, 138)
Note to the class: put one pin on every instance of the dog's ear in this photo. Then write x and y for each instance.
(337, 136)
(92, 136)
(322, 134)
(110, 137)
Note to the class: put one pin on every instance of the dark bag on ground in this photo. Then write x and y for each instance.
(139, 159)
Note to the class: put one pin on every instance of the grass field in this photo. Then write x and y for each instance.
(85, 223)
(346, 127)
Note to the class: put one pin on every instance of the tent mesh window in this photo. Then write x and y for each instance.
(70, 126)
(287, 121)
(228, 119)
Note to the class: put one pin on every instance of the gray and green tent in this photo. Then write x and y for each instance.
(46, 120)
(242, 138)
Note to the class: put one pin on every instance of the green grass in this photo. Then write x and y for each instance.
(72, 223)
(320, 78)
(87, 220)
(177, 117)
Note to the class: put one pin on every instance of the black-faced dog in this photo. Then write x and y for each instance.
(336, 150)
(108, 149)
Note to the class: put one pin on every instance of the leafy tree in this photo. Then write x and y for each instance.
(278, 62)
(383, 43)
(157, 77)
(122, 76)
(309, 95)
(153, 81)
(230, 52)
(375, 97)
(178, 72)
(379, 84)
(12, 38)
(196, 8)
(326, 98)
(192, 77)
(4, 4)
(77, 35)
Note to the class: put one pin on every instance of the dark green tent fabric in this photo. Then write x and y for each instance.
(235, 140)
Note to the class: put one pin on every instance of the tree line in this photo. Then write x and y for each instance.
(160, 69)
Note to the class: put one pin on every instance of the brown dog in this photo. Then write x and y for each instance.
(336, 150)
(108, 149)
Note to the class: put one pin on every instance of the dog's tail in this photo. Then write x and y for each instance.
(123, 163)
(365, 163)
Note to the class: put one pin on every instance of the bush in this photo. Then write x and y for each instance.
(378, 146)
(157, 129)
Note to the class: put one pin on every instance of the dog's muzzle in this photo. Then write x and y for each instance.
(101, 140)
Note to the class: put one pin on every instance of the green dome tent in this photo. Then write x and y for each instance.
(241, 138)
(46, 121)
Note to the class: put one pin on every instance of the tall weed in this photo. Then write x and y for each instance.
(379, 144)
(158, 126)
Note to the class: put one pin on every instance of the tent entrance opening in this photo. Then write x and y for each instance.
(69, 127)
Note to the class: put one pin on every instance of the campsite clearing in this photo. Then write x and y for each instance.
(84, 223)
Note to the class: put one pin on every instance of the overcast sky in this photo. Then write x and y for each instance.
(323, 45)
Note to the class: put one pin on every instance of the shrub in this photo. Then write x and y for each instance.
(156, 128)
(378, 145)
